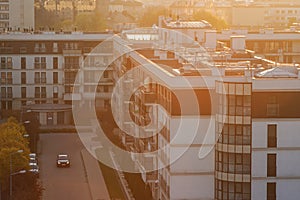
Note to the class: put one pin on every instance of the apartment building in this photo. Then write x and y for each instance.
(16, 14)
(38, 72)
(200, 122)
(246, 142)
(280, 46)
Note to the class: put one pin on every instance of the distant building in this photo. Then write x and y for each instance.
(68, 9)
(243, 13)
(39, 71)
(279, 46)
(16, 14)
(130, 6)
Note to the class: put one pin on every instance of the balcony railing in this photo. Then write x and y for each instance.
(148, 97)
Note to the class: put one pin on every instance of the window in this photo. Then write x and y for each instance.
(23, 77)
(55, 47)
(55, 77)
(105, 88)
(272, 135)
(40, 62)
(271, 191)
(9, 78)
(6, 62)
(23, 92)
(3, 92)
(43, 92)
(105, 74)
(55, 95)
(72, 62)
(37, 64)
(23, 63)
(9, 63)
(9, 92)
(55, 63)
(37, 78)
(9, 105)
(43, 62)
(39, 47)
(3, 62)
(3, 78)
(43, 77)
(232, 190)
(37, 93)
(271, 165)
(272, 106)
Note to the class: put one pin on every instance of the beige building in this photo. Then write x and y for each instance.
(16, 14)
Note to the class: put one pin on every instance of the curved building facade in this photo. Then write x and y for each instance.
(233, 148)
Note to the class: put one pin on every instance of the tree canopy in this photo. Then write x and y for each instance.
(215, 21)
(151, 15)
(90, 22)
(11, 140)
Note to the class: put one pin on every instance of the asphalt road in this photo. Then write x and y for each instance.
(62, 183)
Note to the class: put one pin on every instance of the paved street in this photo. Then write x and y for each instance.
(62, 183)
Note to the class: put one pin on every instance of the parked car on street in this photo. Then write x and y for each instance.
(34, 169)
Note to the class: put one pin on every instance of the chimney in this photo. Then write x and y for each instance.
(210, 39)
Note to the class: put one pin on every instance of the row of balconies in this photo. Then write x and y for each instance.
(6, 96)
(6, 65)
(5, 81)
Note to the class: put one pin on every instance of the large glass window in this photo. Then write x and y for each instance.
(228, 190)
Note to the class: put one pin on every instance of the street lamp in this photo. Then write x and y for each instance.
(15, 173)
(10, 171)
(22, 112)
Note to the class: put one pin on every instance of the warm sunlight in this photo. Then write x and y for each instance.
(149, 99)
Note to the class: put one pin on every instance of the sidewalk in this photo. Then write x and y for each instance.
(94, 176)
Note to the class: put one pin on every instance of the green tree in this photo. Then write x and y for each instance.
(215, 21)
(151, 15)
(90, 22)
(26, 187)
(11, 140)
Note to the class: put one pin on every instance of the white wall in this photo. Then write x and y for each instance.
(288, 162)
(183, 128)
(287, 132)
(192, 187)
(258, 189)
(190, 162)
(286, 189)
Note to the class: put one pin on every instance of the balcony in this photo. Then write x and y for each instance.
(150, 177)
(6, 65)
(147, 97)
